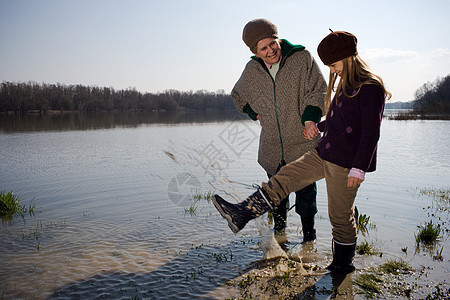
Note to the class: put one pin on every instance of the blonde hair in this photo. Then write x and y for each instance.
(354, 75)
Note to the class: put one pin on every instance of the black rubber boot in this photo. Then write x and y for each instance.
(280, 217)
(309, 233)
(342, 257)
(239, 214)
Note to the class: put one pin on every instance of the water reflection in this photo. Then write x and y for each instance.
(102, 120)
(189, 276)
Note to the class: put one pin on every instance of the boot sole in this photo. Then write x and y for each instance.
(227, 217)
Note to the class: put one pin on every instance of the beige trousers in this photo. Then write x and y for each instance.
(308, 169)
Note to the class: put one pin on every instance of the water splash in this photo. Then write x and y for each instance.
(269, 244)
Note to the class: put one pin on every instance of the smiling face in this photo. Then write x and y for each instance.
(269, 50)
(336, 68)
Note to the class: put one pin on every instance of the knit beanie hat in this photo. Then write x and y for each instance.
(336, 46)
(257, 30)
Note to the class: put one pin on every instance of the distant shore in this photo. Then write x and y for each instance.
(393, 114)
(413, 115)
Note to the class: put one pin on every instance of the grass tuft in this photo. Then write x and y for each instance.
(369, 284)
(366, 248)
(441, 194)
(246, 282)
(363, 223)
(395, 267)
(10, 205)
(191, 210)
(197, 197)
(205, 196)
(428, 234)
(373, 284)
(438, 255)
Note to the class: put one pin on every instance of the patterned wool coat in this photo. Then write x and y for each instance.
(296, 95)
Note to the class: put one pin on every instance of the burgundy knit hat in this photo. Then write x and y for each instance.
(257, 30)
(336, 46)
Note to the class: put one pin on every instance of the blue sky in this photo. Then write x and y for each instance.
(195, 45)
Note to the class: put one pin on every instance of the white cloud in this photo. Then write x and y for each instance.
(440, 53)
(404, 71)
(375, 53)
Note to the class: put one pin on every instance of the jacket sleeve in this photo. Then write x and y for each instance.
(315, 91)
(241, 99)
(236, 93)
(321, 125)
(371, 107)
(311, 113)
(249, 111)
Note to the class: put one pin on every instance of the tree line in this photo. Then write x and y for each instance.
(25, 97)
(433, 97)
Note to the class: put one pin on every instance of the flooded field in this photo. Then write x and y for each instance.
(122, 212)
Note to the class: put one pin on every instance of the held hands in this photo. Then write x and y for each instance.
(311, 130)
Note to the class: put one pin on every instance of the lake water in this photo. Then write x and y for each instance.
(118, 215)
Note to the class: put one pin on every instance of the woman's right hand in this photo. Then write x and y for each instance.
(311, 130)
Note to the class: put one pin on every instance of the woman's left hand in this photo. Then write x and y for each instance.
(354, 182)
